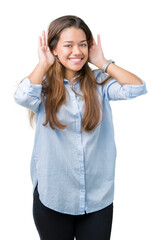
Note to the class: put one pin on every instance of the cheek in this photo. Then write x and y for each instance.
(63, 52)
(86, 52)
(66, 53)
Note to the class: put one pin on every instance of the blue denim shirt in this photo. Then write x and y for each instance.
(75, 171)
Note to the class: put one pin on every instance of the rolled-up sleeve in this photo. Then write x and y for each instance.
(115, 91)
(28, 95)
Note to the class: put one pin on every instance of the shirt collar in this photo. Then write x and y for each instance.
(67, 81)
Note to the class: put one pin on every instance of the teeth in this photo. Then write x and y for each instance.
(76, 59)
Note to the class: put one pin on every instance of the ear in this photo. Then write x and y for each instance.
(55, 52)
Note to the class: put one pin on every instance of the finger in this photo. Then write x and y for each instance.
(47, 32)
(94, 42)
(39, 42)
(98, 39)
(43, 38)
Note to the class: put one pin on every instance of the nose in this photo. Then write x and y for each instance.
(76, 50)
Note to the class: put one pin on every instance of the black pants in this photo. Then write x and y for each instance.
(52, 225)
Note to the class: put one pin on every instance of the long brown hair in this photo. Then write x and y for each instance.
(53, 90)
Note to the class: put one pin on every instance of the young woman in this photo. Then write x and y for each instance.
(73, 159)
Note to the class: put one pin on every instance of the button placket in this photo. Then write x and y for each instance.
(74, 99)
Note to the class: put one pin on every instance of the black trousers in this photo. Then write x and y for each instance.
(52, 225)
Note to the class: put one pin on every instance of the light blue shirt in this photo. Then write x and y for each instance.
(75, 171)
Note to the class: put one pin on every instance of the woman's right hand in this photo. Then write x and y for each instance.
(46, 58)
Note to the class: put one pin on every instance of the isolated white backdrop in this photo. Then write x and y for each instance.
(130, 34)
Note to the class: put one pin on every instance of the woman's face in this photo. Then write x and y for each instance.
(72, 50)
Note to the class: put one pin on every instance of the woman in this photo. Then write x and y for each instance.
(73, 159)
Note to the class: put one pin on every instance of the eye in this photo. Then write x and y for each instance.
(67, 45)
(84, 45)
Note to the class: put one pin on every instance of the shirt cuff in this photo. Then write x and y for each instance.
(135, 90)
(30, 88)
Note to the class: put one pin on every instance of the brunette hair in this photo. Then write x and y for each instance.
(53, 90)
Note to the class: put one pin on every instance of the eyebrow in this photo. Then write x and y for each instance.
(80, 41)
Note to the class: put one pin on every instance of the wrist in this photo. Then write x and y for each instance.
(106, 65)
(43, 67)
(101, 63)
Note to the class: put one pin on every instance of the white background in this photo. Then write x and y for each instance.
(130, 34)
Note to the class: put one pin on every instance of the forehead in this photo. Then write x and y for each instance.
(72, 34)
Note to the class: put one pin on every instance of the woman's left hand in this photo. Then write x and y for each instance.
(96, 55)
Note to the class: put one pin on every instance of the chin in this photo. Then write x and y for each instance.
(75, 69)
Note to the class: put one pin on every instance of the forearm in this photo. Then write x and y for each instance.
(37, 75)
(120, 74)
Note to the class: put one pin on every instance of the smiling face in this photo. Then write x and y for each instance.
(72, 50)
